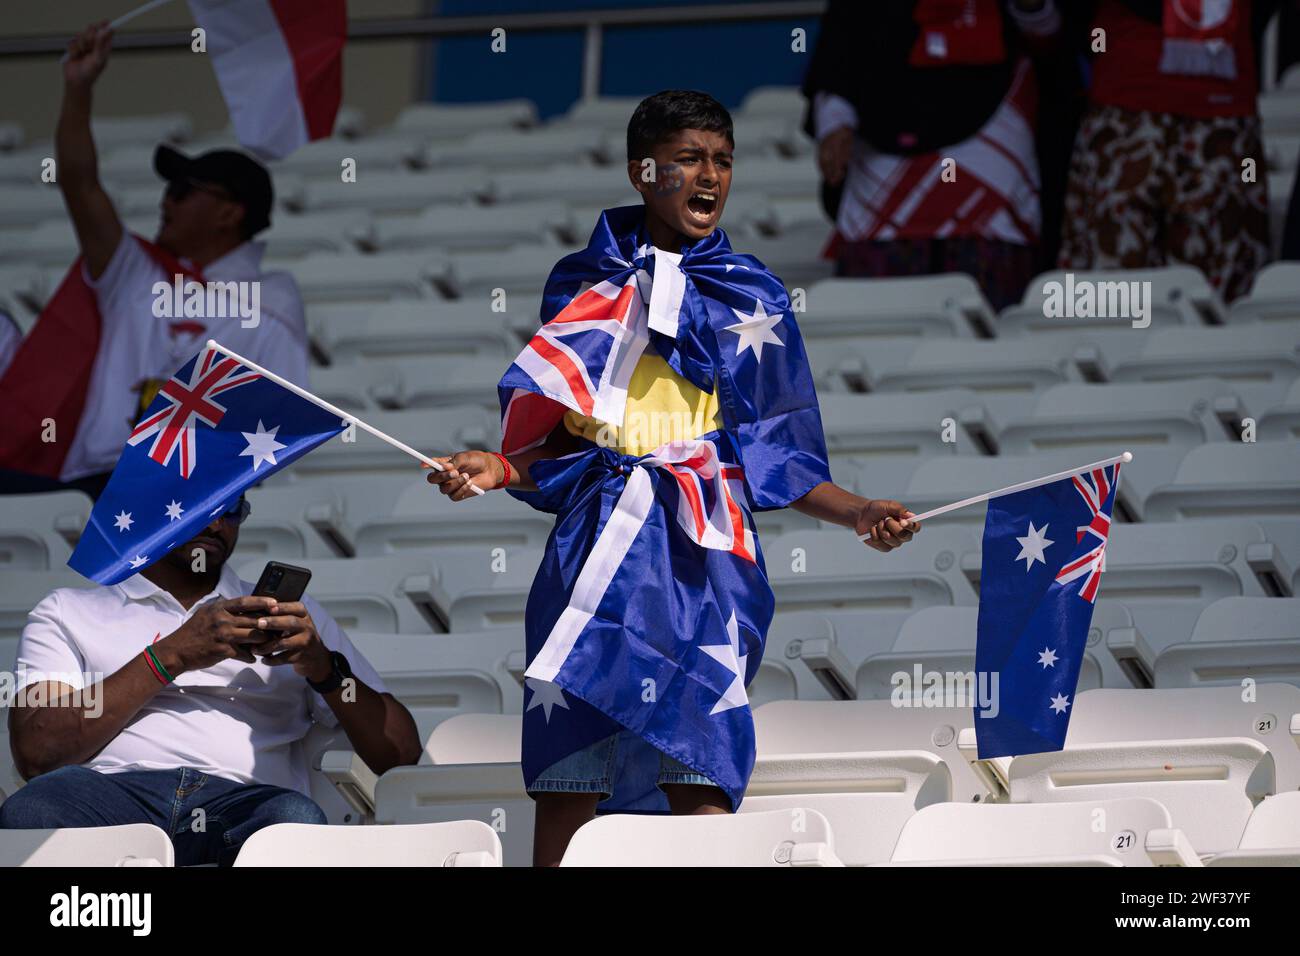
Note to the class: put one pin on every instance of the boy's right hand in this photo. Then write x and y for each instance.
(482, 468)
(87, 55)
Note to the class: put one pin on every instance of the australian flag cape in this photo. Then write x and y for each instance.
(650, 608)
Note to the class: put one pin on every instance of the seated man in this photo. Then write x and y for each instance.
(146, 702)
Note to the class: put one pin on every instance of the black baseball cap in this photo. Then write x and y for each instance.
(242, 176)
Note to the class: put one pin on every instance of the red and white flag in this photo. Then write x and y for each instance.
(280, 67)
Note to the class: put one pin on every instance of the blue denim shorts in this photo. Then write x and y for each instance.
(588, 771)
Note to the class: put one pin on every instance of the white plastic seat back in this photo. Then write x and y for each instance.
(1272, 835)
(1208, 785)
(133, 844)
(1088, 833)
(1236, 638)
(460, 843)
(866, 797)
(793, 837)
(1106, 715)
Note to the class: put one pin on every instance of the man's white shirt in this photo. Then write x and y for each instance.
(135, 346)
(243, 722)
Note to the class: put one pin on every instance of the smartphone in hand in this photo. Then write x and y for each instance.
(285, 583)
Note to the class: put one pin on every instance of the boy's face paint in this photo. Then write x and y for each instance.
(692, 179)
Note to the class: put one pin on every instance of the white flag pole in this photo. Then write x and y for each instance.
(303, 393)
(1011, 489)
(138, 11)
(126, 18)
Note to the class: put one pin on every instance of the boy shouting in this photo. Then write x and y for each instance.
(665, 398)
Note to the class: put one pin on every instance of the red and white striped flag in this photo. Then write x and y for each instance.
(280, 67)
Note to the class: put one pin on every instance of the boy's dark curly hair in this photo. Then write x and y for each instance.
(659, 116)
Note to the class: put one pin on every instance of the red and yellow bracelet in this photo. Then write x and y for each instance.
(505, 482)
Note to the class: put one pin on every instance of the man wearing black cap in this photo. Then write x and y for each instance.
(212, 206)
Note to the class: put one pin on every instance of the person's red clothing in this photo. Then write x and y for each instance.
(1128, 74)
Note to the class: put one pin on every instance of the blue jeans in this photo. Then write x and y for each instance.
(590, 769)
(170, 799)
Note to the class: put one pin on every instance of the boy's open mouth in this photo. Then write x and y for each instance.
(702, 205)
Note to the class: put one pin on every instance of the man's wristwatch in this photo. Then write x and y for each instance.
(338, 675)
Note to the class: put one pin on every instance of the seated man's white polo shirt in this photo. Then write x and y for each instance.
(139, 350)
(243, 722)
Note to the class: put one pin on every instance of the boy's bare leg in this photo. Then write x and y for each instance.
(558, 816)
(685, 799)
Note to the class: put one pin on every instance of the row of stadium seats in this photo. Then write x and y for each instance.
(1134, 831)
(1225, 777)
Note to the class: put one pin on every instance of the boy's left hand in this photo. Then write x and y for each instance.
(886, 522)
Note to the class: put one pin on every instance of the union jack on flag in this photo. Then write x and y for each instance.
(1043, 557)
(228, 427)
(173, 427)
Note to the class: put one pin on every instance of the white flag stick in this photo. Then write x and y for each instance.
(1011, 489)
(138, 11)
(127, 18)
(303, 393)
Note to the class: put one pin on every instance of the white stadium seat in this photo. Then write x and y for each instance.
(857, 726)
(403, 190)
(866, 797)
(799, 837)
(470, 225)
(292, 237)
(1209, 785)
(1274, 295)
(492, 793)
(1134, 832)
(38, 531)
(518, 148)
(332, 277)
(1236, 638)
(1134, 416)
(602, 112)
(949, 305)
(26, 206)
(772, 101)
(462, 843)
(1179, 294)
(568, 182)
(1259, 366)
(1282, 422)
(448, 120)
(886, 428)
(1271, 837)
(133, 844)
(448, 677)
(520, 271)
(423, 520)
(427, 327)
(1264, 714)
(1247, 479)
(941, 640)
(476, 737)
